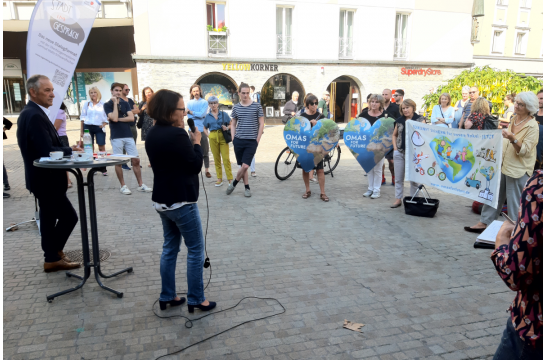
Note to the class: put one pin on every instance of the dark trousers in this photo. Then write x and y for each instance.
(5, 176)
(57, 221)
(512, 347)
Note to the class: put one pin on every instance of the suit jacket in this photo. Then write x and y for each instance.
(175, 162)
(37, 137)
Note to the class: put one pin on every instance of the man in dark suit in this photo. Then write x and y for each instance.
(37, 137)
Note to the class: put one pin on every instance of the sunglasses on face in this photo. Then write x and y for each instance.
(181, 109)
(314, 103)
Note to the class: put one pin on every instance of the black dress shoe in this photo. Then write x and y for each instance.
(163, 304)
(191, 308)
(477, 231)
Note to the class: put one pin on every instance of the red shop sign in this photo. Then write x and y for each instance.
(424, 72)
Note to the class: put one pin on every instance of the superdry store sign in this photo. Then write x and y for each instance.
(250, 67)
(414, 73)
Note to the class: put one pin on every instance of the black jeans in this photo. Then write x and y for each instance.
(57, 220)
(6, 182)
(513, 348)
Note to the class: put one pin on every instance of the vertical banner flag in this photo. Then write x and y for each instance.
(57, 33)
(459, 162)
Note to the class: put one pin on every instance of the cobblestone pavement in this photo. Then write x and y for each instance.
(417, 284)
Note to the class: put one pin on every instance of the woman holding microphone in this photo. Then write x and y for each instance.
(176, 162)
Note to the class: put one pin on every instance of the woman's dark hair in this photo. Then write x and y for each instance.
(243, 85)
(162, 105)
(191, 97)
(511, 97)
(310, 98)
(144, 99)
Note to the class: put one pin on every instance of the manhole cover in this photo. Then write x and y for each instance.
(77, 255)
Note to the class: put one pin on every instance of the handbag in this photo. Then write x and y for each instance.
(418, 206)
(226, 133)
(140, 122)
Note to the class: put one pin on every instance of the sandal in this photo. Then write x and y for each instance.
(307, 195)
(208, 175)
(324, 198)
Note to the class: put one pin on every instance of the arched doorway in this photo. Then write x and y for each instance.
(221, 86)
(345, 99)
(277, 91)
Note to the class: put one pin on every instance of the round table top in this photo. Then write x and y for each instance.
(77, 165)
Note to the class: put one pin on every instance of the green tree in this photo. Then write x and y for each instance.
(493, 84)
(92, 77)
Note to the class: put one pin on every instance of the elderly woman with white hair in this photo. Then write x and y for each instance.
(519, 156)
(459, 108)
(290, 109)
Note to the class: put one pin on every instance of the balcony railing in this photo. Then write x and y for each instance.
(217, 43)
(345, 48)
(401, 49)
(284, 46)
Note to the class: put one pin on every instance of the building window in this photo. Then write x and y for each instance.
(526, 4)
(401, 39)
(215, 15)
(520, 43)
(114, 10)
(23, 11)
(346, 32)
(502, 2)
(498, 41)
(524, 16)
(284, 16)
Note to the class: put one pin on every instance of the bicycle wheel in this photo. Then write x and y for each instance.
(334, 157)
(285, 164)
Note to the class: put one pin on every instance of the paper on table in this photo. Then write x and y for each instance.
(122, 156)
(489, 235)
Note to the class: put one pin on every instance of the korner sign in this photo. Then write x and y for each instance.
(414, 73)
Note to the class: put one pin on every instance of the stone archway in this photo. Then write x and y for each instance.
(346, 98)
(276, 91)
(220, 85)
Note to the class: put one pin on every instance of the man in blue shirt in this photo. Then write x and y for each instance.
(120, 117)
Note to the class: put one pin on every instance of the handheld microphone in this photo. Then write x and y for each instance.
(191, 125)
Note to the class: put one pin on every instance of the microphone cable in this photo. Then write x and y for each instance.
(189, 322)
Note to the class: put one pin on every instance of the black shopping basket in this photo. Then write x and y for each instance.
(417, 206)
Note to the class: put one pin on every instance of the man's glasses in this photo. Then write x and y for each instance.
(397, 95)
(472, 92)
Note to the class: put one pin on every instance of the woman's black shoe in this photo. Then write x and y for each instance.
(163, 304)
(191, 308)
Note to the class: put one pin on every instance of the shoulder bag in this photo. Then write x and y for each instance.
(226, 133)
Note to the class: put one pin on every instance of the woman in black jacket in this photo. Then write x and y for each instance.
(176, 163)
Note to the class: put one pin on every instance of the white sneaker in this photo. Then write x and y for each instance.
(375, 195)
(368, 193)
(144, 188)
(217, 184)
(125, 190)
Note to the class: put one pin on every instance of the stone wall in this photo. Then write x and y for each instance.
(180, 75)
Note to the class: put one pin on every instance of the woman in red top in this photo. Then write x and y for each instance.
(479, 112)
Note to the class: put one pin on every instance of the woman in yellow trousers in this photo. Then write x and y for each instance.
(215, 122)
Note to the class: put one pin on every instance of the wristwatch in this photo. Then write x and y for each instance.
(514, 141)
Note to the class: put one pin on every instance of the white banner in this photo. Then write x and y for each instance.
(57, 33)
(459, 162)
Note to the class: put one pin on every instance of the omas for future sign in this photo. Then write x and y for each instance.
(57, 33)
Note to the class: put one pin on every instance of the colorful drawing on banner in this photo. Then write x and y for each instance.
(454, 157)
(369, 144)
(417, 139)
(311, 144)
(218, 91)
(460, 162)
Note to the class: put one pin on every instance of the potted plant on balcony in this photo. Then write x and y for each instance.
(217, 31)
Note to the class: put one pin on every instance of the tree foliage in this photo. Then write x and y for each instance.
(493, 84)
(92, 77)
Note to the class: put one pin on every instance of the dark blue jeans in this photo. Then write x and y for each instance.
(513, 348)
(182, 222)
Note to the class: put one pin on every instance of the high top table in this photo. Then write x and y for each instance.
(74, 168)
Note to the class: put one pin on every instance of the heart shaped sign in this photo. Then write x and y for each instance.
(455, 158)
(311, 144)
(369, 144)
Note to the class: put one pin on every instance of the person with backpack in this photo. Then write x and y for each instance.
(256, 96)
(480, 117)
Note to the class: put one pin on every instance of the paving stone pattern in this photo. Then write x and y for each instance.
(417, 284)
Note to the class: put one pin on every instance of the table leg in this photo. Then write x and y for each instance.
(94, 236)
(84, 239)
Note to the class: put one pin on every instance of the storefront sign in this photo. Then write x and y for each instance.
(12, 68)
(250, 67)
(414, 73)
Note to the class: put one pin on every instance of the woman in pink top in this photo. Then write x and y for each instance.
(60, 126)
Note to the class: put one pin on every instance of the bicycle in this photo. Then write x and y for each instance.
(286, 163)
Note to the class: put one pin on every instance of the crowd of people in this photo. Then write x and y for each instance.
(177, 157)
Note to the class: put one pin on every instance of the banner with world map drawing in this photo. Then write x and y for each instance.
(460, 162)
(310, 144)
